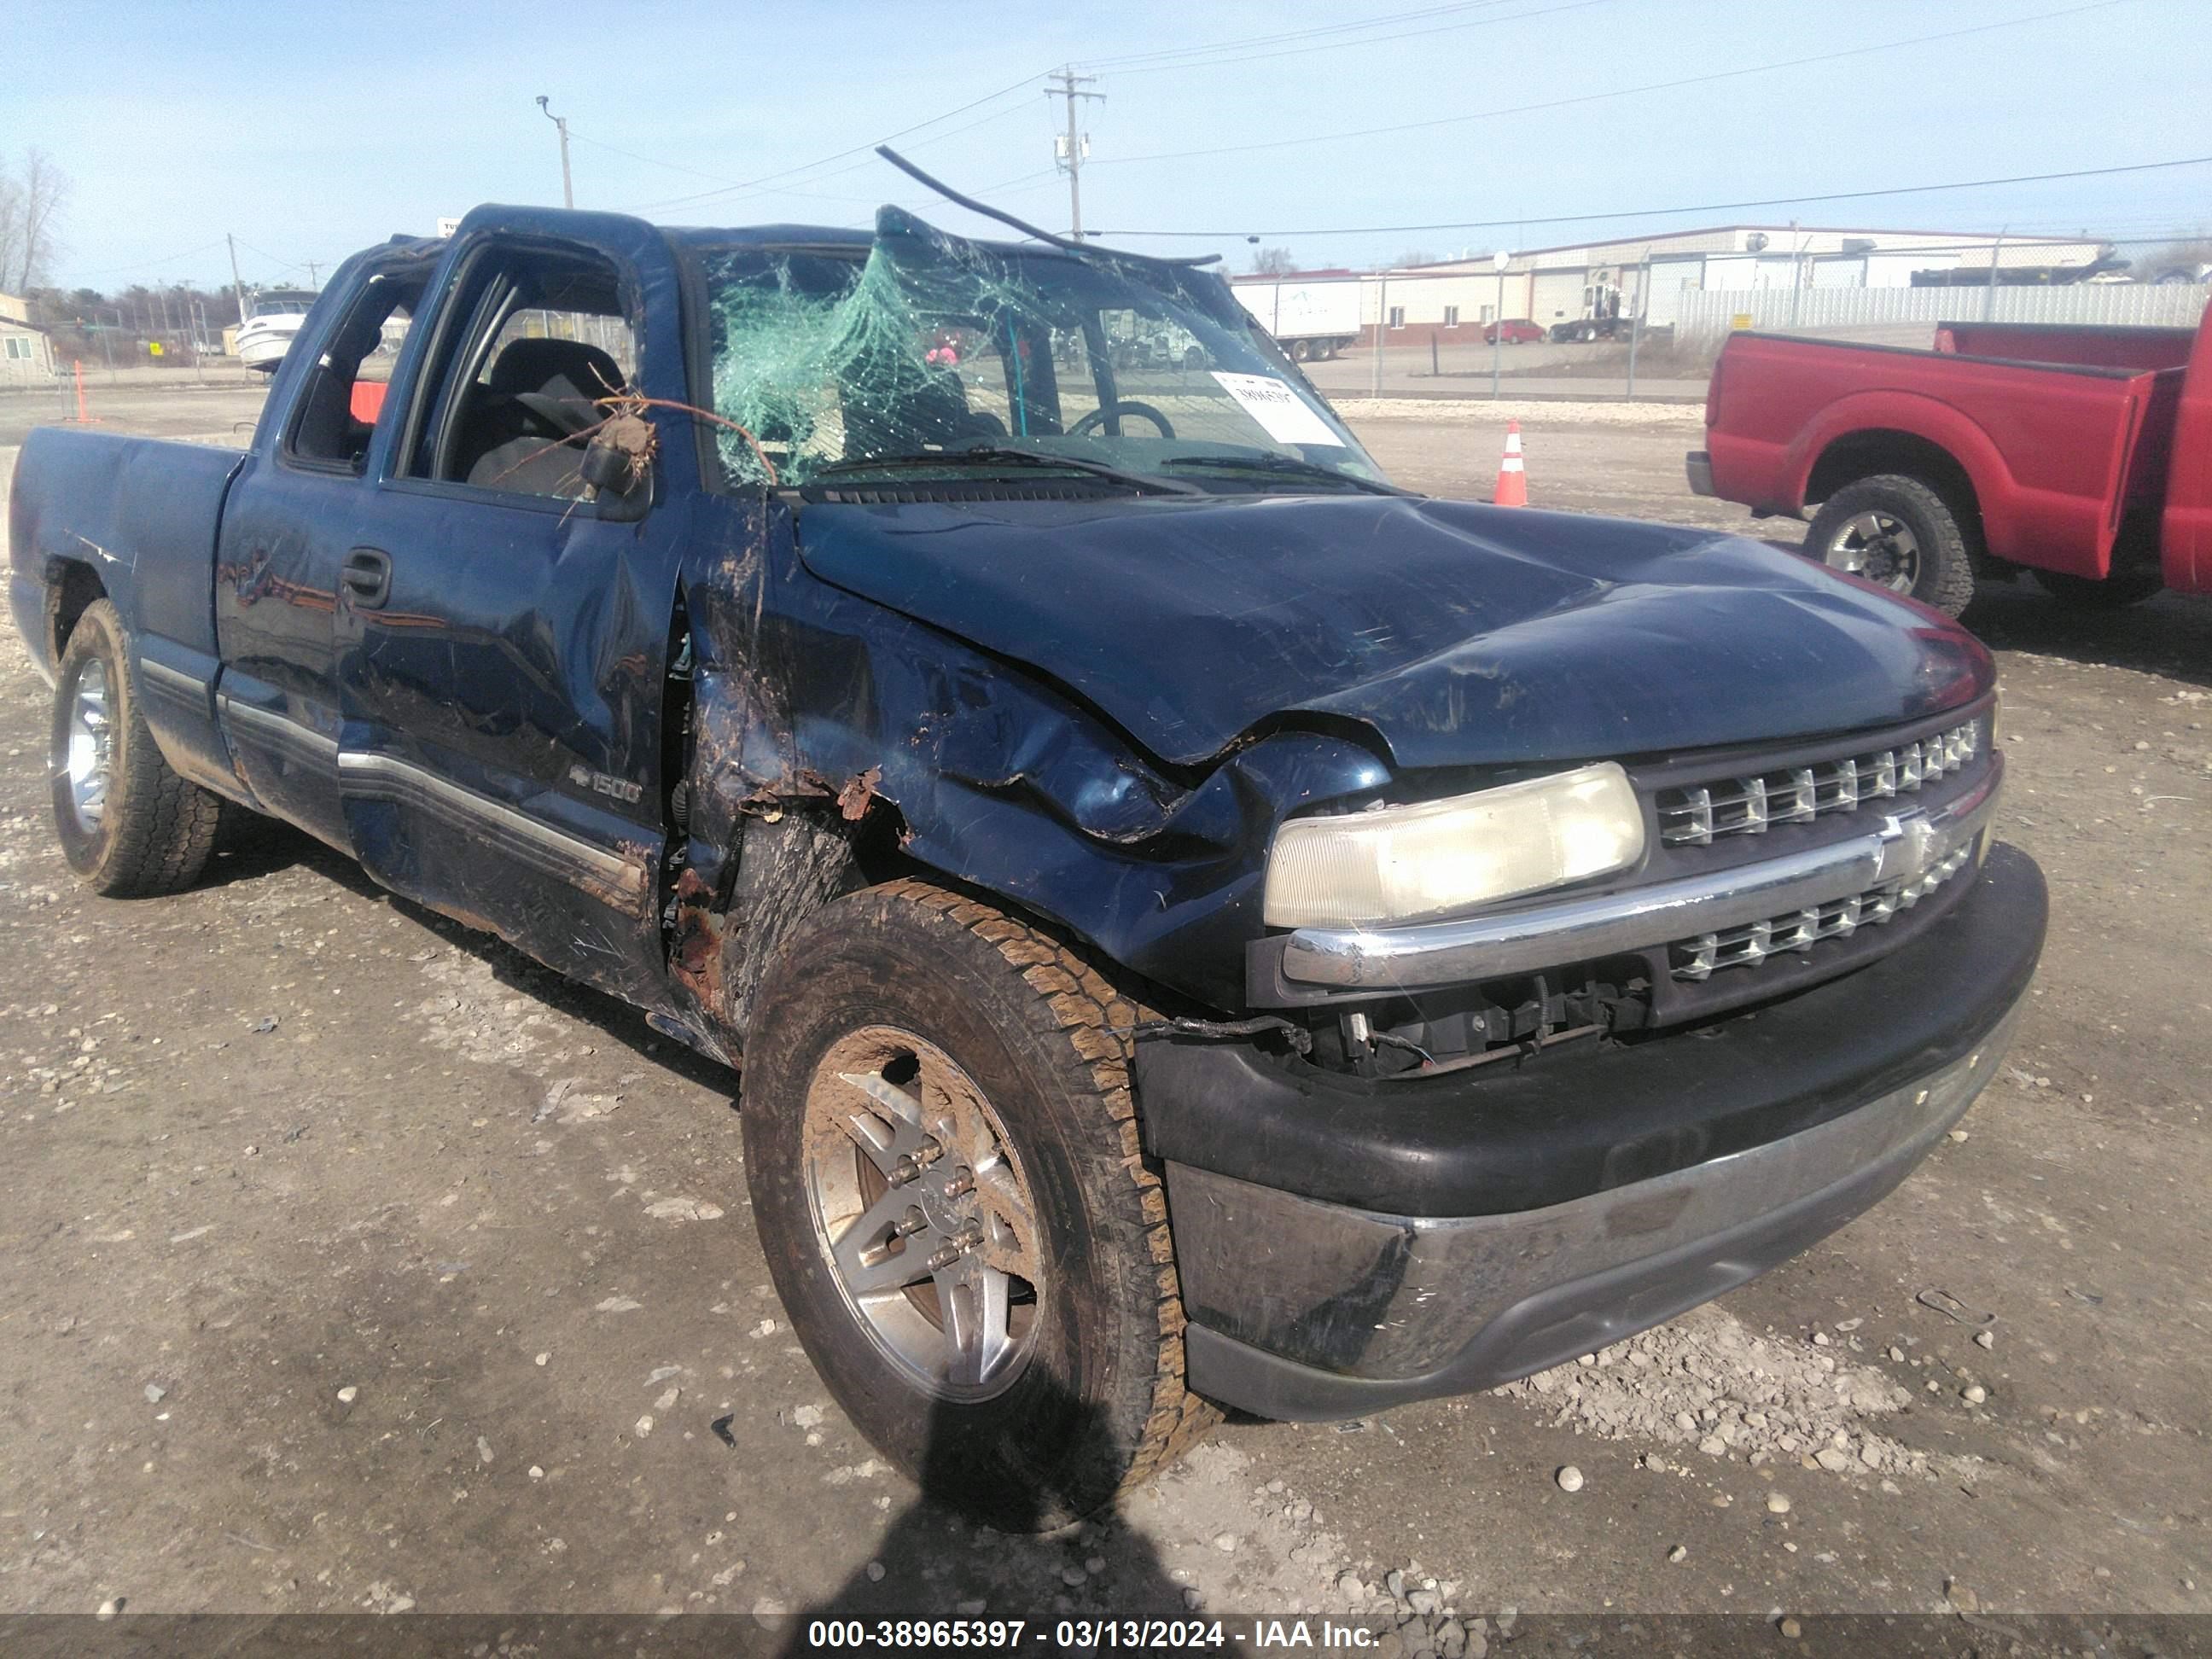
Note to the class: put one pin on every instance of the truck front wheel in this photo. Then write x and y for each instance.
(129, 826)
(942, 1152)
(1898, 533)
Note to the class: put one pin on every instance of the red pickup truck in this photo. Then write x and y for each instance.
(2082, 453)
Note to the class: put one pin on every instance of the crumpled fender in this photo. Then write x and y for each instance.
(805, 693)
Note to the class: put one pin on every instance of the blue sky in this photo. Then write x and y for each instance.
(312, 129)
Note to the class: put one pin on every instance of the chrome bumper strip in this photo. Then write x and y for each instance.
(368, 775)
(1901, 847)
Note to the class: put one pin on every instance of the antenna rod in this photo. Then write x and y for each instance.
(1005, 218)
(972, 203)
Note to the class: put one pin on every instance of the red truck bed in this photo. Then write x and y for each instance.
(2079, 451)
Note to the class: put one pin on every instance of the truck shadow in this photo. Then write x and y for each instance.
(255, 848)
(946, 1553)
(2170, 635)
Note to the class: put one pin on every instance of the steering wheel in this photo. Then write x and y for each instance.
(1115, 411)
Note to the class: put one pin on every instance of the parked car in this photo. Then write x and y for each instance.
(2083, 453)
(1178, 961)
(1514, 331)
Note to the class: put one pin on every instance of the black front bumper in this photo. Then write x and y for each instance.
(1345, 1244)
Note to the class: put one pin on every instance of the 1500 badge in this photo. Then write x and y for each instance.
(599, 783)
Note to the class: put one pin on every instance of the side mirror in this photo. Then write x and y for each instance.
(617, 468)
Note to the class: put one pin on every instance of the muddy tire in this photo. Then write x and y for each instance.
(129, 827)
(1900, 533)
(942, 1152)
(2087, 593)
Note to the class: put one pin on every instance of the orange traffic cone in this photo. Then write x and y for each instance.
(1512, 482)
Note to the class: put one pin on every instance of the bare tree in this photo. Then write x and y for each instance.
(1274, 262)
(32, 198)
(11, 214)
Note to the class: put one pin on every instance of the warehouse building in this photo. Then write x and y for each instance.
(1548, 286)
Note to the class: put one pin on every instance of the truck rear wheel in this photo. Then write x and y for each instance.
(942, 1152)
(129, 826)
(1900, 533)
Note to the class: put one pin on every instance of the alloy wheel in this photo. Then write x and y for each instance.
(923, 1213)
(88, 759)
(1878, 546)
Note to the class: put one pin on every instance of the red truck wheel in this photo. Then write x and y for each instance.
(1898, 533)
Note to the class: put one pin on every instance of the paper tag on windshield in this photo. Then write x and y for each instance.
(1286, 418)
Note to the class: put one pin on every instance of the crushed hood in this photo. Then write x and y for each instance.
(1462, 634)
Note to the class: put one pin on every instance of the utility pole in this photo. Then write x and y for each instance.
(1499, 261)
(1643, 311)
(568, 189)
(237, 284)
(311, 282)
(1382, 327)
(1796, 272)
(1070, 82)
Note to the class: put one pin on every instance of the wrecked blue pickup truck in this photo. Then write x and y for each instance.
(1198, 924)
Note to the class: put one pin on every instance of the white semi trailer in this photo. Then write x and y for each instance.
(1311, 318)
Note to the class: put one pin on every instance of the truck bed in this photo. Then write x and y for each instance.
(144, 513)
(2055, 453)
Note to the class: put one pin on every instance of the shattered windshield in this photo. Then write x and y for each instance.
(928, 352)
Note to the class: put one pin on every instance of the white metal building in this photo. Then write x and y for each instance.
(1556, 284)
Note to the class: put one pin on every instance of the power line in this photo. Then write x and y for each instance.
(867, 150)
(1240, 59)
(1126, 58)
(1022, 85)
(631, 154)
(287, 264)
(1623, 92)
(740, 193)
(1701, 207)
(149, 264)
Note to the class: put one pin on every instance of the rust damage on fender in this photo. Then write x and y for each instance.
(695, 952)
(859, 790)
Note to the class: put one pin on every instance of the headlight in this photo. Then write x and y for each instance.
(1410, 863)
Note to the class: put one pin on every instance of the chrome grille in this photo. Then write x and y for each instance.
(1695, 815)
(1704, 955)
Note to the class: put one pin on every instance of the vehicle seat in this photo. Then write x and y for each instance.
(522, 429)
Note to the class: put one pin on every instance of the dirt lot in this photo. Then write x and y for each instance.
(360, 1265)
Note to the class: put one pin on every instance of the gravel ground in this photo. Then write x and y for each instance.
(360, 1265)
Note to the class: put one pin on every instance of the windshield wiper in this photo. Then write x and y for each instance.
(986, 455)
(1287, 466)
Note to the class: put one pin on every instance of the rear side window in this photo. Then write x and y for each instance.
(343, 401)
(544, 345)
